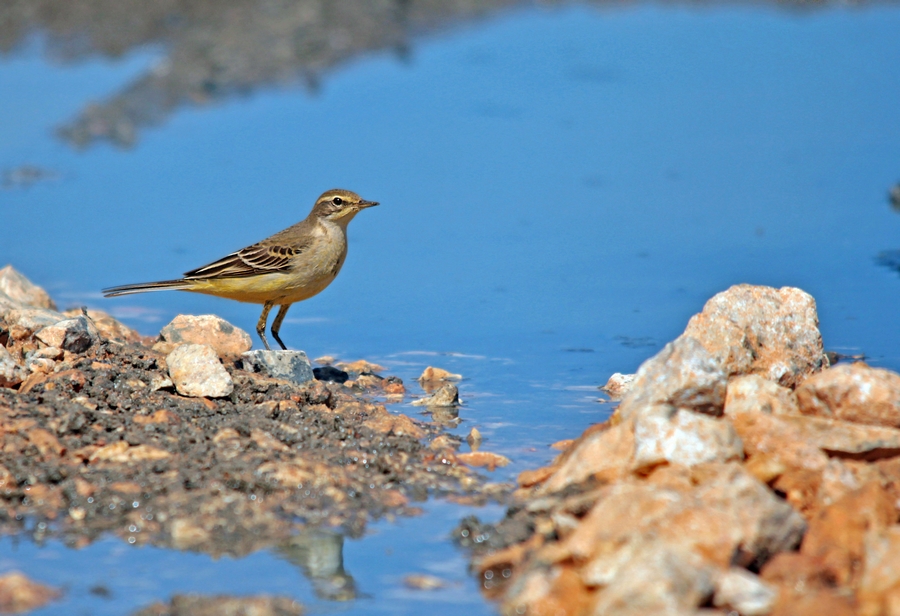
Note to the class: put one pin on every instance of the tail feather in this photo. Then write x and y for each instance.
(141, 287)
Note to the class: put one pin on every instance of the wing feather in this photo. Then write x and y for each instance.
(250, 261)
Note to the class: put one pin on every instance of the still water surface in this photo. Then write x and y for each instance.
(561, 189)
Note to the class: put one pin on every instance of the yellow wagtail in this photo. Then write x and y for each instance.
(290, 266)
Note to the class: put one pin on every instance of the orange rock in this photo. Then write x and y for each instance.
(266, 441)
(15, 287)
(605, 454)
(557, 592)
(360, 366)
(46, 443)
(108, 327)
(853, 392)
(122, 453)
(483, 458)
(846, 439)
(160, 416)
(771, 436)
(879, 587)
(438, 374)
(209, 329)
(761, 330)
(385, 423)
(528, 478)
(20, 594)
(563, 445)
(837, 533)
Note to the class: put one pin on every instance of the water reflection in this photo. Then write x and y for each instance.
(218, 50)
(319, 554)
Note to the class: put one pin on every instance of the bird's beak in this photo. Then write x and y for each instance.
(364, 204)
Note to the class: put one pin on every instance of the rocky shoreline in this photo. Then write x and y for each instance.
(105, 431)
(740, 474)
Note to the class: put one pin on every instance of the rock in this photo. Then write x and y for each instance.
(474, 439)
(659, 579)
(448, 395)
(361, 366)
(223, 605)
(853, 392)
(770, 437)
(742, 522)
(20, 594)
(290, 366)
(24, 322)
(197, 372)
(483, 458)
(330, 374)
(761, 330)
(438, 374)
(879, 588)
(107, 327)
(740, 590)
(682, 375)
(837, 533)
(75, 335)
(681, 437)
(11, 373)
(618, 385)
(424, 582)
(226, 339)
(806, 587)
(754, 394)
(604, 454)
(17, 288)
(842, 438)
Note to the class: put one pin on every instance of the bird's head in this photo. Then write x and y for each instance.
(339, 206)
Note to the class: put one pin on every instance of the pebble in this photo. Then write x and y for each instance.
(448, 395)
(226, 339)
(196, 371)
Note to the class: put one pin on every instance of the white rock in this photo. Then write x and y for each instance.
(17, 289)
(24, 322)
(740, 590)
(11, 373)
(197, 372)
(665, 434)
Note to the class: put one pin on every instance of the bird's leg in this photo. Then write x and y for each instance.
(276, 324)
(261, 325)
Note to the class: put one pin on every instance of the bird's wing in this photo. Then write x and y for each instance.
(250, 261)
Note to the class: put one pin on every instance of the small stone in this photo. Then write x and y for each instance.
(76, 335)
(744, 592)
(438, 374)
(361, 366)
(19, 289)
(223, 605)
(474, 439)
(325, 360)
(226, 339)
(330, 374)
(618, 385)
(483, 459)
(20, 594)
(107, 326)
(853, 392)
(197, 372)
(290, 366)
(448, 395)
(11, 373)
(160, 382)
(24, 322)
(424, 582)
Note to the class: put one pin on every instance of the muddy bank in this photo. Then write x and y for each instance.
(740, 474)
(95, 438)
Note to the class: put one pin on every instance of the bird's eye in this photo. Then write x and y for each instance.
(337, 201)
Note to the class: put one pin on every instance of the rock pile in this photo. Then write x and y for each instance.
(740, 474)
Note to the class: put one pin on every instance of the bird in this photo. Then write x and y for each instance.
(288, 267)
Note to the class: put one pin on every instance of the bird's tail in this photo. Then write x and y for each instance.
(141, 287)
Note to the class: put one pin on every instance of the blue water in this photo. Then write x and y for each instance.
(561, 190)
